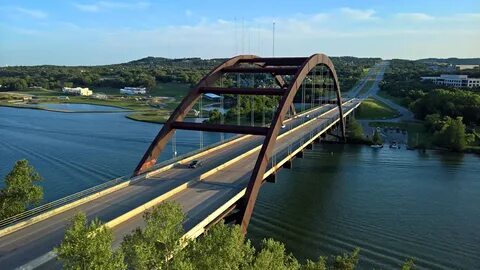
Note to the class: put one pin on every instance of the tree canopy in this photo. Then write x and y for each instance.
(88, 246)
(21, 190)
(159, 245)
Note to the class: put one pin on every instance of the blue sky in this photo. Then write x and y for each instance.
(81, 32)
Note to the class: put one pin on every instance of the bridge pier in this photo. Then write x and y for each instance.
(299, 154)
(309, 146)
(272, 178)
(288, 164)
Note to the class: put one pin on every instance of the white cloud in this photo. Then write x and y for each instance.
(37, 14)
(415, 17)
(358, 14)
(107, 5)
(299, 34)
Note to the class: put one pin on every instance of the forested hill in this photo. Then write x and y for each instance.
(144, 72)
(452, 61)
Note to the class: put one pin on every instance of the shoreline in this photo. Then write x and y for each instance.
(123, 110)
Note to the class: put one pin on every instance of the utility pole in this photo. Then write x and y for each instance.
(273, 39)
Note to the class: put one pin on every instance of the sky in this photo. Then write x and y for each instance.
(92, 32)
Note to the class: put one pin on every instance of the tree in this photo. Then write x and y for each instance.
(321, 264)
(221, 247)
(354, 131)
(452, 134)
(273, 256)
(346, 261)
(20, 190)
(215, 116)
(377, 139)
(409, 264)
(433, 122)
(158, 245)
(88, 246)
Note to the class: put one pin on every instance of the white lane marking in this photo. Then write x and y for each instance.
(38, 261)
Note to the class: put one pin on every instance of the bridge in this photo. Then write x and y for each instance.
(308, 108)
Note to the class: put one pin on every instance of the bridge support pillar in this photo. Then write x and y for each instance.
(309, 146)
(318, 140)
(272, 178)
(288, 164)
(299, 154)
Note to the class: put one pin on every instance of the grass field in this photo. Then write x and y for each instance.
(374, 109)
(397, 100)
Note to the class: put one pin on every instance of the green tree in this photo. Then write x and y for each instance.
(215, 116)
(409, 264)
(222, 247)
(273, 256)
(158, 245)
(377, 139)
(346, 261)
(452, 134)
(433, 122)
(20, 190)
(88, 246)
(321, 264)
(354, 131)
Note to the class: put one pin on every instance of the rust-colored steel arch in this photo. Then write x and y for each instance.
(156, 147)
(298, 67)
(158, 144)
(268, 146)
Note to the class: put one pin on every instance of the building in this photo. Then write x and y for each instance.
(81, 91)
(462, 67)
(454, 80)
(133, 91)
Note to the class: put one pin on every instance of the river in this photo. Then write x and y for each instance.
(393, 204)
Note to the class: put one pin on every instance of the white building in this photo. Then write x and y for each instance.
(133, 90)
(462, 67)
(81, 91)
(454, 80)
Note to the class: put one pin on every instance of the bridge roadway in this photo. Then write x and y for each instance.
(32, 245)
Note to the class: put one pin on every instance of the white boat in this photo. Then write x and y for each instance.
(376, 146)
(394, 145)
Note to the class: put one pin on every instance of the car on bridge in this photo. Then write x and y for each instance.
(194, 164)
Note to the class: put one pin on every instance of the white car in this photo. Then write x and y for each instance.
(283, 126)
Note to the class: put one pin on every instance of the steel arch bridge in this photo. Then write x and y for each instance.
(288, 74)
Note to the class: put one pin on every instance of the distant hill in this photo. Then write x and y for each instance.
(184, 62)
(452, 61)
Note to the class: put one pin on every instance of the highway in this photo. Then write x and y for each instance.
(199, 199)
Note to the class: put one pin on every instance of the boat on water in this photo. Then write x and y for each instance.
(394, 145)
(376, 146)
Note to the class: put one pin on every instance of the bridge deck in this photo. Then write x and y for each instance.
(198, 200)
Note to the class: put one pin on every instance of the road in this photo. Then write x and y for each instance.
(198, 200)
(406, 115)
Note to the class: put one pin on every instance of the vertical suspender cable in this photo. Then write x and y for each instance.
(222, 111)
(201, 116)
(238, 100)
(252, 106)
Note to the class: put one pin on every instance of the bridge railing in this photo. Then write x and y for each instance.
(95, 189)
(60, 202)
